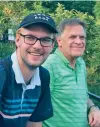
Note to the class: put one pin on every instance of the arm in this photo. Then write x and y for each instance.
(90, 104)
(34, 124)
(94, 114)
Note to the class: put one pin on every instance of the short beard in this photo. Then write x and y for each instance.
(32, 67)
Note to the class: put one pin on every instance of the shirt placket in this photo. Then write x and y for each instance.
(22, 98)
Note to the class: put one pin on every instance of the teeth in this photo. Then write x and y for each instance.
(35, 54)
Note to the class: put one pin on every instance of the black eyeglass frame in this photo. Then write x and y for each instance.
(40, 39)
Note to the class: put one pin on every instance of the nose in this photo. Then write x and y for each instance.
(37, 45)
(78, 40)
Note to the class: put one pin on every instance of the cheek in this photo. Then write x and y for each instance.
(84, 45)
(48, 50)
(19, 43)
(66, 46)
(22, 49)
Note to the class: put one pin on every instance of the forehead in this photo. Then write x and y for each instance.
(74, 30)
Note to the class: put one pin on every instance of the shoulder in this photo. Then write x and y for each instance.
(6, 64)
(82, 65)
(44, 74)
(2, 77)
(50, 62)
(1, 68)
(43, 70)
(51, 58)
(5, 60)
(81, 61)
(5, 67)
(1, 65)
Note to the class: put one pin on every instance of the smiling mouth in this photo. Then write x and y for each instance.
(77, 47)
(35, 54)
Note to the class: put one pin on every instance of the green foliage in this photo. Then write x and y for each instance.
(6, 49)
(82, 6)
(97, 9)
(97, 12)
(11, 14)
(38, 8)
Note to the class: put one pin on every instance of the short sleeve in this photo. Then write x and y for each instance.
(44, 108)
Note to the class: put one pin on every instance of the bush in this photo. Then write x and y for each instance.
(6, 49)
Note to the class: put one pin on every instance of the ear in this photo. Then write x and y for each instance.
(17, 42)
(58, 38)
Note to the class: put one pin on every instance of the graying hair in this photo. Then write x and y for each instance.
(69, 22)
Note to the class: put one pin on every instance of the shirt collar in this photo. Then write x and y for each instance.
(64, 59)
(58, 52)
(18, 74)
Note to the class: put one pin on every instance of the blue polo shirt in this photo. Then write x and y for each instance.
(19, 102)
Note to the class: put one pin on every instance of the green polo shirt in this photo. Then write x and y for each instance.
(68, 92)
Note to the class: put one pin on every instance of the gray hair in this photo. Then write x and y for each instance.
(69, 22)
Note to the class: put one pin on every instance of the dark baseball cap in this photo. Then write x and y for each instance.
(38, 18)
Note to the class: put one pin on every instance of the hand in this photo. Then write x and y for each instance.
(94, 117)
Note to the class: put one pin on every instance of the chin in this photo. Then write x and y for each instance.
(77, 54)
(33, 66)
(37, 64)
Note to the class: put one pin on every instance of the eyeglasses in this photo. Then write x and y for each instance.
(31, 40)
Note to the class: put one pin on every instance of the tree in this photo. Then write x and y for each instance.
(12, 12)
(97, 11)
(82, 6)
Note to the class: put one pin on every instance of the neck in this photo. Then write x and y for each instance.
(72, 63)
(27, 71)
(72, 60)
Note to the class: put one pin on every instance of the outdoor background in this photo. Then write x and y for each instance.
(11, 13)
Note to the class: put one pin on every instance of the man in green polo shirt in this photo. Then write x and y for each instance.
(68, 79)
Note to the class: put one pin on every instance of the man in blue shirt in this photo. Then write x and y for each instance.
(24, 84)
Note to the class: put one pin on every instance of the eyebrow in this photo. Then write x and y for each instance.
(36, 36)
(77, 35)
